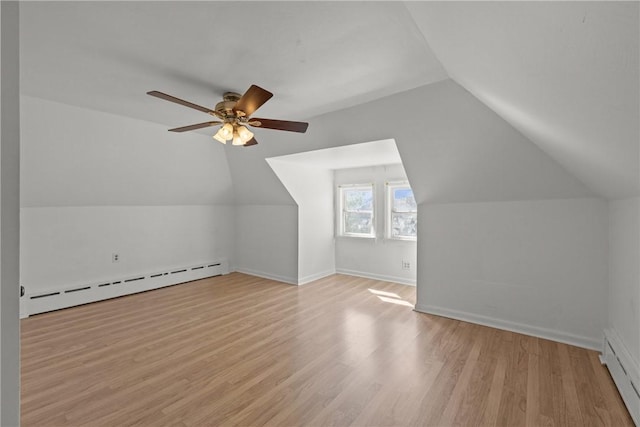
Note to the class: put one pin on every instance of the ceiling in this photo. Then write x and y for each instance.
(384, 152)
(565, 74)
(315, 57)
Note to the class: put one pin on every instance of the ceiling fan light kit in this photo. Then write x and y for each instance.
(234, 111)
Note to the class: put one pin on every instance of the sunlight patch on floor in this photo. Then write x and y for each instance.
(396, 301)
(383, 293)
(390, 297)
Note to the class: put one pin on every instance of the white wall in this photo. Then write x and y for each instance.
(453, 148)
(456, 150)
(77, 157)
(9, 215)
(378, 258)
(621, 349)
(94, 184)
(624, 274)
(316, 248)
(267, 241)
(67, 246)
(538, 267)
(312, 189)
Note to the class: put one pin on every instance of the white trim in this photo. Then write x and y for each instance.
(362, 184)
(317, 276)
(366, 275)
(356, 237)
(270, 276)
(550, 334)
(624, 371)
(44, 300)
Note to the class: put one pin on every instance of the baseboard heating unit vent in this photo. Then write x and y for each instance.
(54, 299)
(624, 371)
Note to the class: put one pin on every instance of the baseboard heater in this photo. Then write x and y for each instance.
(624, 371)
(54, 299)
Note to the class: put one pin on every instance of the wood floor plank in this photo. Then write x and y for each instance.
(533, 385)
(241, 350)
(490, 414)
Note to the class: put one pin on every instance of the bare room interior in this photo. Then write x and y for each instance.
(320, 213)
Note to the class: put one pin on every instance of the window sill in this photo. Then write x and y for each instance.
(351, 236)
(398, 239)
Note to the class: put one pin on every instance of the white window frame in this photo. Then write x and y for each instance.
(390, 187)
(341, 211)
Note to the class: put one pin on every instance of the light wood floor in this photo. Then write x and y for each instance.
(239, 350)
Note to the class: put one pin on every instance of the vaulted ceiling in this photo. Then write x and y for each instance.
(564, 74)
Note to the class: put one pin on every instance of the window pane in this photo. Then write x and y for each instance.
(404, 224)
(358, 222)
(358, 199)
(403, 200)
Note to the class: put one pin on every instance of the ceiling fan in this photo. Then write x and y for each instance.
(234, 113)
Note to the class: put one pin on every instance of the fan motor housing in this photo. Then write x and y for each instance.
(231, 96)
(225, 107)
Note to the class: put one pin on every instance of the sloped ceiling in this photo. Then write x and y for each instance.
(72, 156)
(314, 56)
(453, 148)
(565, 74)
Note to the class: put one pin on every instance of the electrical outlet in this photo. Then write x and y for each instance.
(406, 265)
(115, 257)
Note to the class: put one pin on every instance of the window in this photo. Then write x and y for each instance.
(402, 212)
(356, 211)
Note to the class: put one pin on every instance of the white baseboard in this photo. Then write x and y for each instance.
(313, 277)
(266, 275)
(366, 275)
(317, 276)
(550, 334)
(624, 371)
(50, 299)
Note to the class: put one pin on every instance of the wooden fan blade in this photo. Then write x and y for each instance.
(180, 101)
(194, 127)
(282, 125)
(252, 99)
(250, 142)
